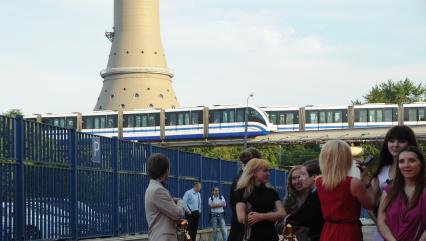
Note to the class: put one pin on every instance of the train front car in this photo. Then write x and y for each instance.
(415, 114)
(102, 123)
(229, 121)
(283, 118)
(375, 115)
(326, 117)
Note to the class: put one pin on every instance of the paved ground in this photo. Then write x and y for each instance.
(368, 232)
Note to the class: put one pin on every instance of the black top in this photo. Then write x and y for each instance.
(263, 201)
(237, 229)
(309, 215)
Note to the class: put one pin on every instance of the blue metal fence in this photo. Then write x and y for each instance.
(54, 187)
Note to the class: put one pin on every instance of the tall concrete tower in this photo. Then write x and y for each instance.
(137, 76)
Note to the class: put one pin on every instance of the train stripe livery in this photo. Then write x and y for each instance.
(229, 121)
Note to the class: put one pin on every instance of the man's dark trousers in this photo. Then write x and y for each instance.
(193, 224)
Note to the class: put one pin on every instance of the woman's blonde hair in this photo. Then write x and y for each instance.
(247, 179)
(335, 162)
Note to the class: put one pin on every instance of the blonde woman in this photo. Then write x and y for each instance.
(258, 204)
(341, 196)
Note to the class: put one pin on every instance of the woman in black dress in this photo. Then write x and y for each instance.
(261, 202)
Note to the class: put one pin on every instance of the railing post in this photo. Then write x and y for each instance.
(220, 174)
(149, 152)
(201, 168)
(201, 181)
(19, 202)
(115, 186)
(178, 174)
(72, 144)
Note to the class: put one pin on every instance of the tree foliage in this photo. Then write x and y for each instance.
(399, 92)
(13, 113)
(283, 156)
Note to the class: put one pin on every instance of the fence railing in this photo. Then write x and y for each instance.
(61, 184)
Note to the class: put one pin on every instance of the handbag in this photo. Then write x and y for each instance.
(247, 226)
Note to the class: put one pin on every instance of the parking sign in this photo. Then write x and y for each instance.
(96, 150)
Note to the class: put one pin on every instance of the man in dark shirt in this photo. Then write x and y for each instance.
(237, 229)
(309, 214)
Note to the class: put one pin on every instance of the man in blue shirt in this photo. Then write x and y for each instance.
(192, 198)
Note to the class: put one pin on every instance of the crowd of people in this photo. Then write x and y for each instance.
(323, 202)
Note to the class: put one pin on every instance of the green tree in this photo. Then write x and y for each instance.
(399, 92)
(13, 113)
(284, 156)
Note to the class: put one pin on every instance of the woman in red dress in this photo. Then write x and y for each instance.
(341, 196)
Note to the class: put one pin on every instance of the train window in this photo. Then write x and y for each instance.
(338, 117)
(103, 121)
(144, 120)
(111, 121)
(61, 122)
(330, 115)
(344, 115)
(195, 117)
(312, 117)
(87, 122)
(180, 118)
(70, 123)
(95, 123)
(379, 115)
(225, 118)
(322, 118)
(240, 115)
(371, 116)
(171, 119)
(361, 115)
(255, 116)
(228, 116)
(186, 114)
(290, 118)
(273, 117)
(232, 116)
(282, 118)
(138, 121)
(215, 116)
(388, 115)
(412, 114)
(153, 119)
(422, 114)
(130, 121)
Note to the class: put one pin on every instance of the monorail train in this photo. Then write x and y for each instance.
(164, 125)
(341, 117)
(229, 121)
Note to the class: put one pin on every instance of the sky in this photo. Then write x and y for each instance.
(288, 53)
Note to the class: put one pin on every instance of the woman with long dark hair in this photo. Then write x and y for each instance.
(295, 193)
(296, 196)
(396, 139)
(402, 214)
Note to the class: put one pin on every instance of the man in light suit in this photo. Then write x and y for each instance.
(161, 211)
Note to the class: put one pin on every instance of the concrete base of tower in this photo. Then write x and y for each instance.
(136, 91)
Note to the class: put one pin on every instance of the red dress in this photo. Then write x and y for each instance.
(341, 212)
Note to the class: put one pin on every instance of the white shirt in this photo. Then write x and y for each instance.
(217, 200)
